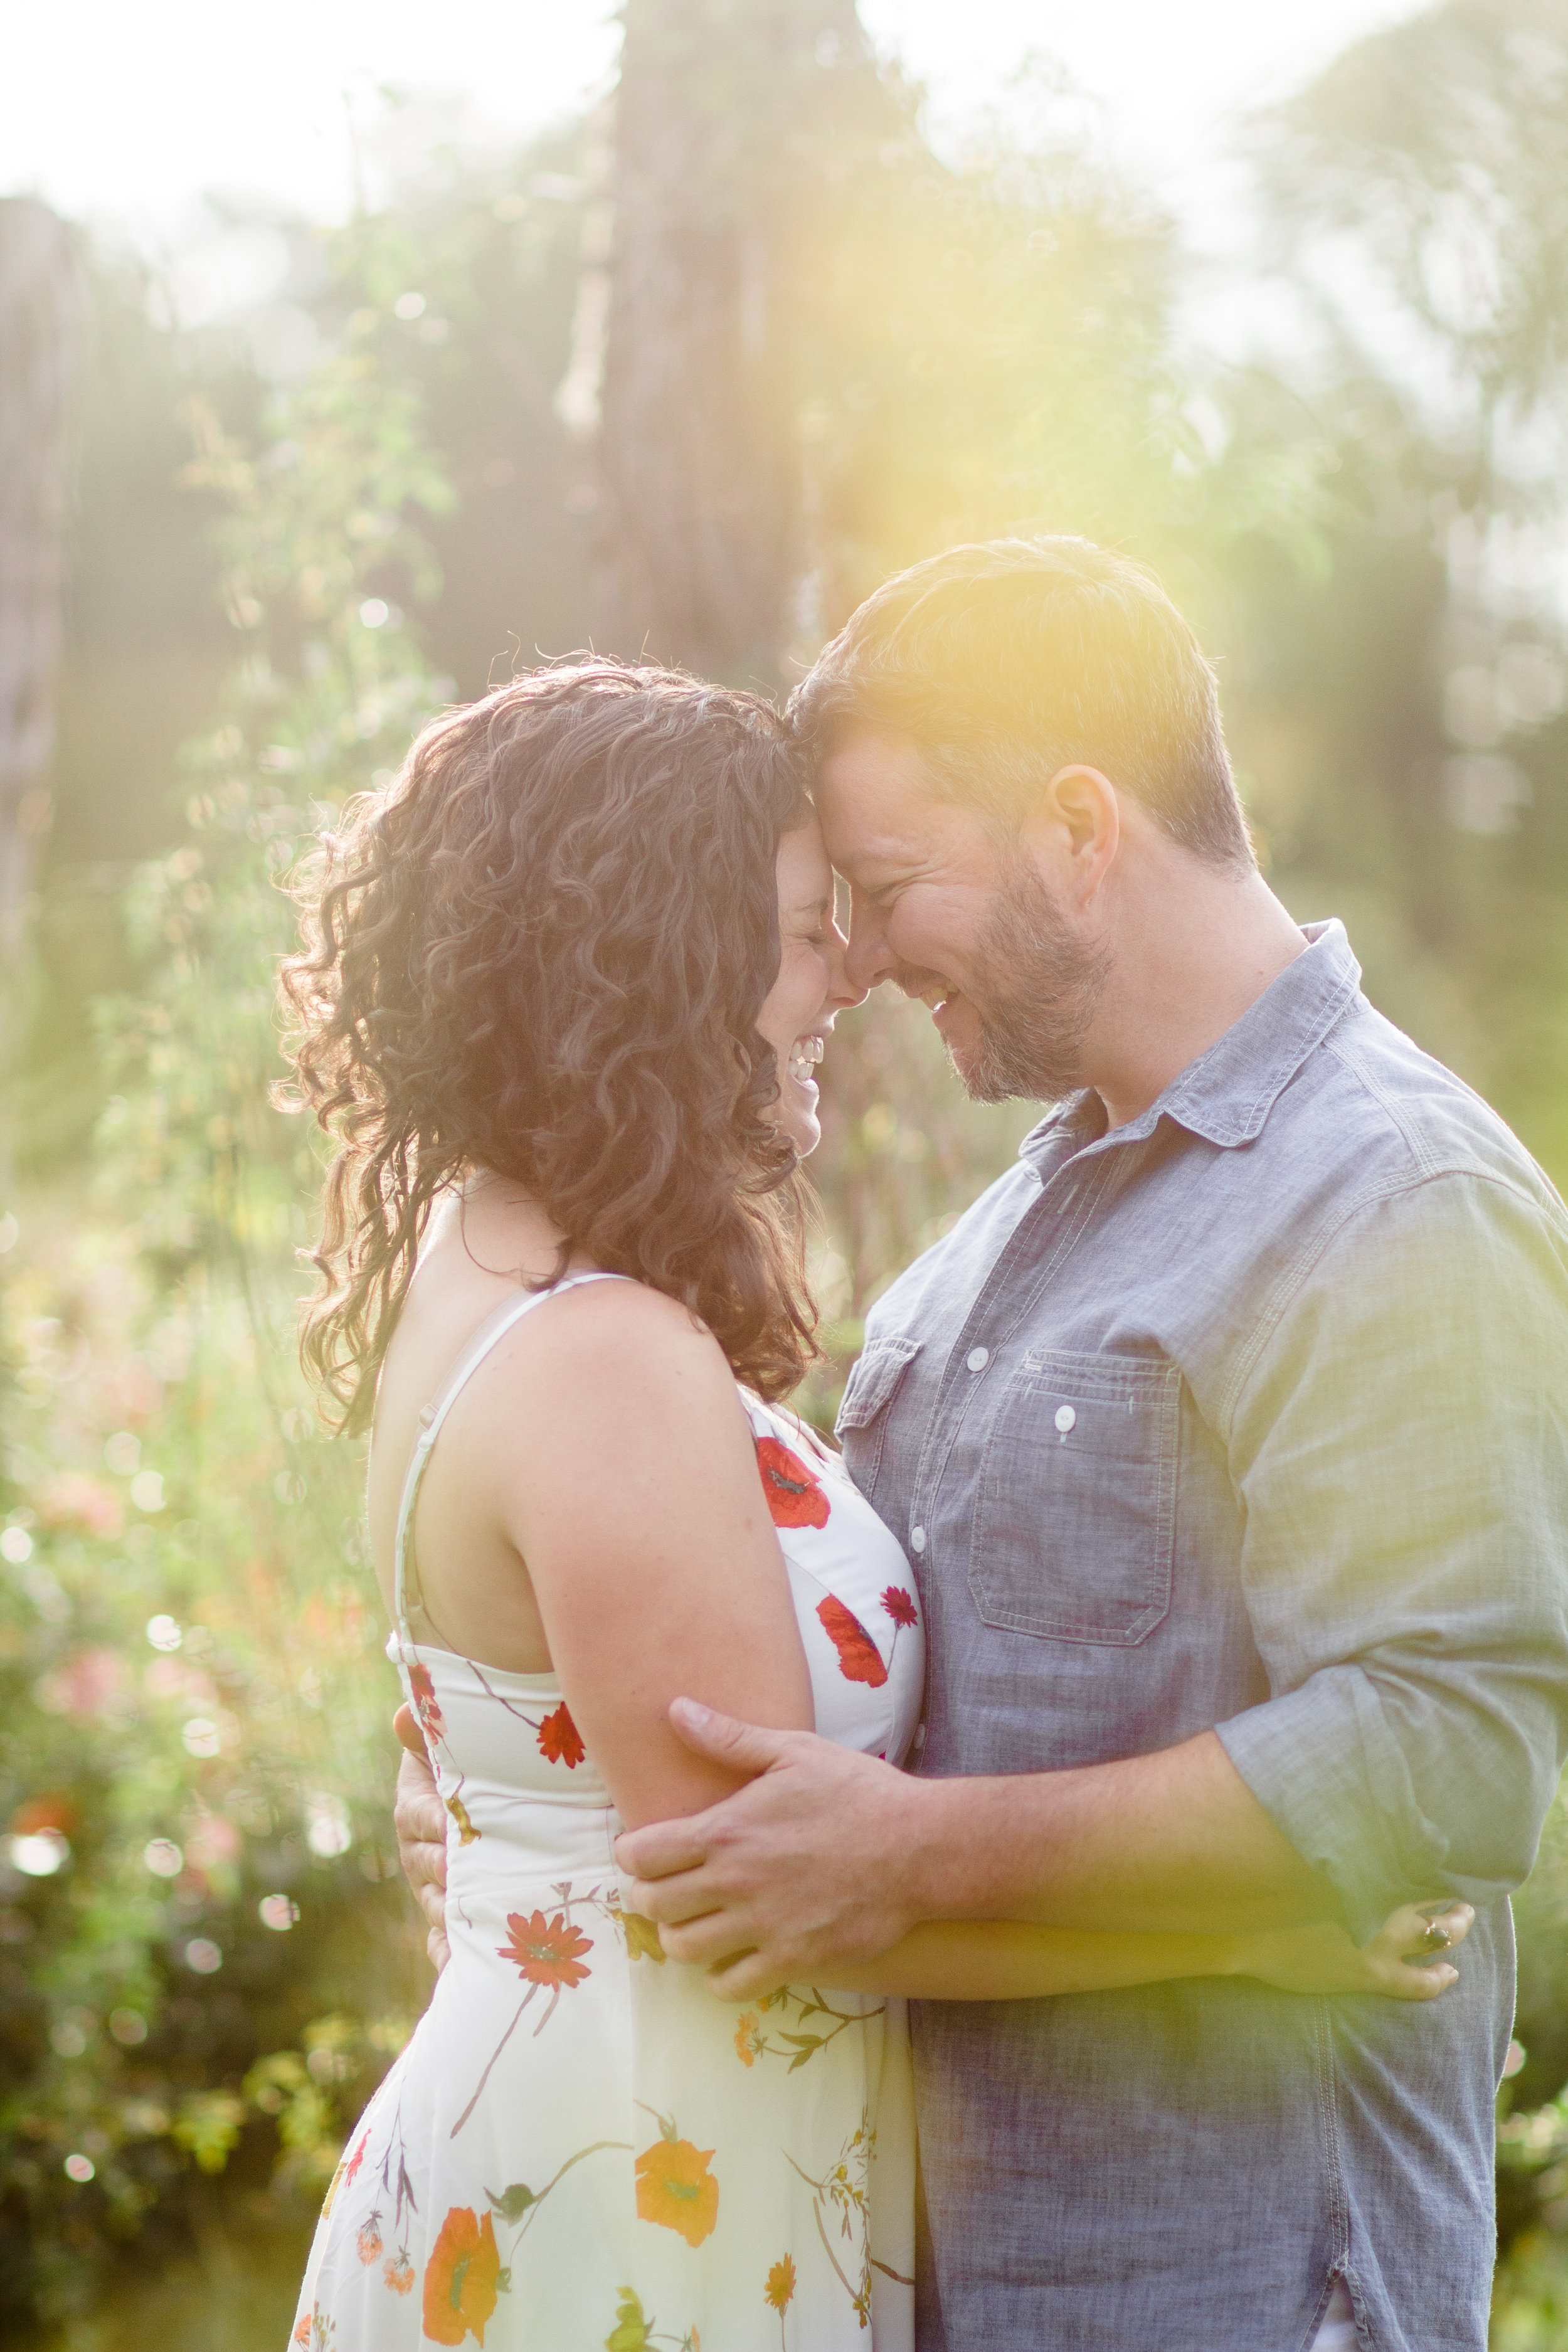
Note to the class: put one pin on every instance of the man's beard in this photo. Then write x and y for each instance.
(1036, 990)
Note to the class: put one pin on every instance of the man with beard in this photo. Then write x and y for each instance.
(1228, 1435)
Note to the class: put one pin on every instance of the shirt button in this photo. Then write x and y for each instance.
(1065, 1418)
(917, 1538)
(977, 1359)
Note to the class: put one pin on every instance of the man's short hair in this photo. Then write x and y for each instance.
(1005, 661)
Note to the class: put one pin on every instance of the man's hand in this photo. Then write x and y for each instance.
(801, 1868)
(420, 1819)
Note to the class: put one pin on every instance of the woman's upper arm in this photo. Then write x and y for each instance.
(631, 1491)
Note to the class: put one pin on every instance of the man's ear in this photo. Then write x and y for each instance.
(1075, 829)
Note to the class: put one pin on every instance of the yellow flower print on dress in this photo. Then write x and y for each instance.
(675, 2188)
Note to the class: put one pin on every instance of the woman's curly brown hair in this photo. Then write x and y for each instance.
(542, 953)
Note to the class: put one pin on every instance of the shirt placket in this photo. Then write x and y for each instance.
(1043, 1238)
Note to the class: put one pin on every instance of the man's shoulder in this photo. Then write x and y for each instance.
(1378, 1114)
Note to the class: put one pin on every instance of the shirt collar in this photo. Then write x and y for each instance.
(1227, 1093)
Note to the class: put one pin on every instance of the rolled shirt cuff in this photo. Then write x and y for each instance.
(1321, 1763)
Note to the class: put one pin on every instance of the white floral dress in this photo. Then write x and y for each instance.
(580, 2146)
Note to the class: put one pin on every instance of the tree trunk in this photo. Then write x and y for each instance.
(728, 117)
(38, 329)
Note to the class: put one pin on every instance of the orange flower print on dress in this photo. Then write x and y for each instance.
(900, 1606)
(398, 2273)
(560, 1741)
(367, 2245)
(779, 2292)
(425, 1703)
(780, 2288)
(460, 2278)
(675, 2188)
(796, 1499)
(750, 2043)
(859, 1660)
(546, 1952)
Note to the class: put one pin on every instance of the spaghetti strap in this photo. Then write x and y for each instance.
(433, 1414)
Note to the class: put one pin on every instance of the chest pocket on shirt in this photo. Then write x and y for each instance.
(1076, 1518)
(862, 1423)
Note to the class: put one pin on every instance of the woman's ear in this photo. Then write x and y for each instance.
(1075, 831)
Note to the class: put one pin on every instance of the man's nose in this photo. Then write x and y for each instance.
(868, 958)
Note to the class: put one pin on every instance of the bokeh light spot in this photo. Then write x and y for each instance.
(326, 1831)
(40, 1853)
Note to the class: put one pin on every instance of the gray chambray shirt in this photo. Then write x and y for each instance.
(1250, 1413)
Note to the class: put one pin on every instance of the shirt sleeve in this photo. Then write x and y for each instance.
(1400, 1446)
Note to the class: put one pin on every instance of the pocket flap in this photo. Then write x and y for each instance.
(876, 1375)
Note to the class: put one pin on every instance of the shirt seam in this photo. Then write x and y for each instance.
(1293, 1279)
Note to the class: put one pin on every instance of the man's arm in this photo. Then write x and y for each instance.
(1400, 1441)
(829, 1857)
(1400, 1446)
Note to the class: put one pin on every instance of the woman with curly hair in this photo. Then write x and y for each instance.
(564, 988)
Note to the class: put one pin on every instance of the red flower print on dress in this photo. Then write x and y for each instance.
(796, 1499)
(899, 1605)
(560, 1741)
(357, 2158)
(425, 1704)
(859, 1660)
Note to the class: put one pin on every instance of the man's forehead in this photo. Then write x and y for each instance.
(873, 797)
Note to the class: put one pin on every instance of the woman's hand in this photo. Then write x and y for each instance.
(1395, 1962)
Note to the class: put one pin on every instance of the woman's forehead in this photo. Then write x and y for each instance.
(806, 878)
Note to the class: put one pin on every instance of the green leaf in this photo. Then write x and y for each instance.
(631, 2330)
(514, 2202)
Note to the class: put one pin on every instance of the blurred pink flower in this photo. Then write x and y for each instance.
(84, 1685)
(72, 1500)
(132, 1391)
(214, 1839)
(172, 1678)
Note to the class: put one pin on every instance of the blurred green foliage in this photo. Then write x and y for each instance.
(205, 1961)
